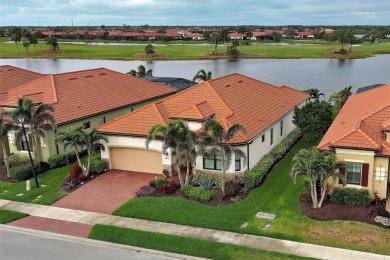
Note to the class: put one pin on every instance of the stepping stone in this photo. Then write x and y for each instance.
(265, 215)
(19, 194)
(266, 227)
(40, 196)
(244, 225)
(43, 185)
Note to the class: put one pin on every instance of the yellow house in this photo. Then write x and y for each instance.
(360, 136)
(85, 98)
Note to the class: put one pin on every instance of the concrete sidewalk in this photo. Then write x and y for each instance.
(265, 243)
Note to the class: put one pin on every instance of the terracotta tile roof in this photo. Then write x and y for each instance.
(361, 122)
(11, 77)
(231, 99)
(79, 94)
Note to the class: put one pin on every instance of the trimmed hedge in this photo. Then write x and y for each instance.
(257, 175)
(58, 160)
(198, 193)
(351, 196)
(16, 160)
(97, 166)
(23, 172)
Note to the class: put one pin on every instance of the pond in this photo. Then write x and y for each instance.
(328, 75)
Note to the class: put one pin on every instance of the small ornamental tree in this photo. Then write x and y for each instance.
(149, 49)
(314, 118)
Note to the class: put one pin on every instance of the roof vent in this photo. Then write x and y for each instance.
(78, 106)
(102, 73)
(72, 78)
(239, 81)
(88, 76)
(227, 85)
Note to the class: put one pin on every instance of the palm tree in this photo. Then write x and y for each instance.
(215, 37)
(25, 45)
(4, 127)
(314, 93)
(187, 146)
(141, 71)
(53, 43)
(170, 137)
(91, 141)
(38, 119)
(149, 49)
(132, 73)
(16, 38)
(33, 40)
(214, 135)
(72, 138)
(339, 98)
(350, 38)
(202, 75)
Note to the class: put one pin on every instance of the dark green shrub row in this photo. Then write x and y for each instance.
(97, 166)
(200, 178)
(351, 196)
(23, 172)
(257, 175)
(198, 193)
(58, 160)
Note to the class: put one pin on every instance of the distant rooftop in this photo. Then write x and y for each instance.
(362, 89)
(178, 83)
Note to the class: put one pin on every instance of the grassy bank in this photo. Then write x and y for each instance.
(183, 52)
(277, 195)
(181, 245)
(8, 216)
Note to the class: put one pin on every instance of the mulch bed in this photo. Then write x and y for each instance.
(331, 211)
(66, 188)
(4, 177)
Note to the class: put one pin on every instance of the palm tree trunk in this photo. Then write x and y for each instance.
(17, 46)
(188, 174)
(76, 152)
(36, 152)
(315, 201)
(5, 159)
(88, 163)
(223, 173)
(323, 194)
(179, 174)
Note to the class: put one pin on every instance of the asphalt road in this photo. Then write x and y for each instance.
(18, 245)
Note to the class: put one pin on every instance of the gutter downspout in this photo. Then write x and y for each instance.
(247, 152)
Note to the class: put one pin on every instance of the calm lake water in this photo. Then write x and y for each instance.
(328, 75)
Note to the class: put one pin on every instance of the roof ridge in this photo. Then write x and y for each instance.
(219, 98)
(368, 137)
(76, 71)
(7, 65)
(351, 132)
(158, 112)
(297, 90)
(54, 89)
(18, 87)
(375, 112)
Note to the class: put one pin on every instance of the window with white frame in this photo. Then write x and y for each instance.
(11, 137)
(237, 163)
(354, 173)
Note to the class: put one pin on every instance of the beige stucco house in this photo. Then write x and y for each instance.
(360, 136)
(264, 110)
(87, 98)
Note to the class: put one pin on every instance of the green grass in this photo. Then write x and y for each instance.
(181, 245)
(174, 52)
(50, 190)
(8, 216)
(277, 195)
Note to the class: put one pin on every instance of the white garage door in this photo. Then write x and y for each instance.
(139, 160)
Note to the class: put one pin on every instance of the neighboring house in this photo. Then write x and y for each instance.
(360, 136)
(85, 98)
(362, 89)
(11, 77)
(264, 110)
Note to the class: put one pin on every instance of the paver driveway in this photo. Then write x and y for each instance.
(107, 192)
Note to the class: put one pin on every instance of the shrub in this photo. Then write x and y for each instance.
(97, 166)
(58, 160)
(76, 176)
(23, 172)
(146, 191)
(198, 193)
(257, 175)
(342, 51)
(231, 188)
(351, 196)
(16, 160)
(208, 184)
(199, 178)
(160, 182)
(169, 188)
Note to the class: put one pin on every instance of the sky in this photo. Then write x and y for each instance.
(193, 12)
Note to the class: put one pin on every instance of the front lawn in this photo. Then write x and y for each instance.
(278, 195)
(8, 216)
(181, 245)
(49, 191)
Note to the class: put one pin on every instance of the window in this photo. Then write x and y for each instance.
(102, 120)
(237, 163)
(24, 146)
(262, 138)
(213, 163)
(354, 172)
(11, 137)
(87, 125)
(272, 136)
(281, 128)
(42, 141)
